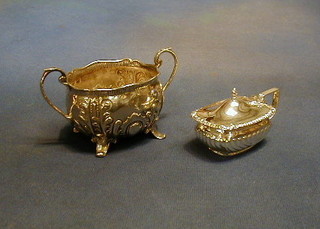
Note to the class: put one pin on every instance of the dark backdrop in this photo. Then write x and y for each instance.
(50, 177)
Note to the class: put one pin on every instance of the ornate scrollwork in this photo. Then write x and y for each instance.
(95, 116)
(127, 77)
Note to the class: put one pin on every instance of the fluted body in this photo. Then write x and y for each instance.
(233, 145)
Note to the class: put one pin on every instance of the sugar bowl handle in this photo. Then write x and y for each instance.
(158, 63)
(276, 96)
(62, 80)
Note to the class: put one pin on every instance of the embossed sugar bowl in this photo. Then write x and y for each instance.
(108, 99)
(234, 125)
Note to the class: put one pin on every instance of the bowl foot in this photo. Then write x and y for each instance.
(102, 147)
(227, 154)
(154, 131)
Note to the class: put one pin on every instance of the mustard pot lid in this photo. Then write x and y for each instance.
(235, 112)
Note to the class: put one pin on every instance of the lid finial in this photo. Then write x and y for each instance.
(234, 93)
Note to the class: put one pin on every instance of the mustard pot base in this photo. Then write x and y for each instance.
(228, 154)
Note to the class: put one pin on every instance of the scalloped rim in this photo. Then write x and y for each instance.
(127, 62)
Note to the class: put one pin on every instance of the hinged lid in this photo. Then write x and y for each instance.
(235, 112)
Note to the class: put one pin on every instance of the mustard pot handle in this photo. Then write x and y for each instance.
(62, 79)
(276, 96)
(158, 63)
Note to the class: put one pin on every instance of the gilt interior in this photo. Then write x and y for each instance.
(109, 76)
